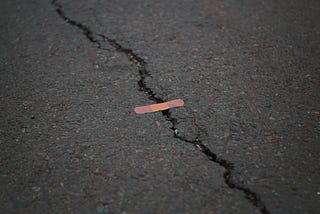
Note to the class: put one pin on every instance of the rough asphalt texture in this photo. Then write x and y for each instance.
(248, 72)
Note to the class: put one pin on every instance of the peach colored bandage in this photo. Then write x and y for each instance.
(159, 106)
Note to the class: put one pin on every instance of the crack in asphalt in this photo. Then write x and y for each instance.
(98, 39)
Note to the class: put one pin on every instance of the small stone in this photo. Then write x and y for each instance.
(236, 138)
(234, 128)
(272, 118)
(172, 37)
(99, 179)
(269, 107)
(18, 204)
(68, 125)
(36, 189)
(100, 210)
(219, 88)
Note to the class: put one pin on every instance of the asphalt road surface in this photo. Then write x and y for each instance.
(246, 140)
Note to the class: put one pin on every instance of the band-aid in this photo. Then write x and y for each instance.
(159, 106)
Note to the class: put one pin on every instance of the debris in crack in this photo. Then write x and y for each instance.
(99, 39)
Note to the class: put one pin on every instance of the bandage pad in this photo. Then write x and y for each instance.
(159, 106)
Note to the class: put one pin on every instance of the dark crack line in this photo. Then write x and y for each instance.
(98, 39)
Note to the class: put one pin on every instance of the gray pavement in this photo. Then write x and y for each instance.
(248, 72)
